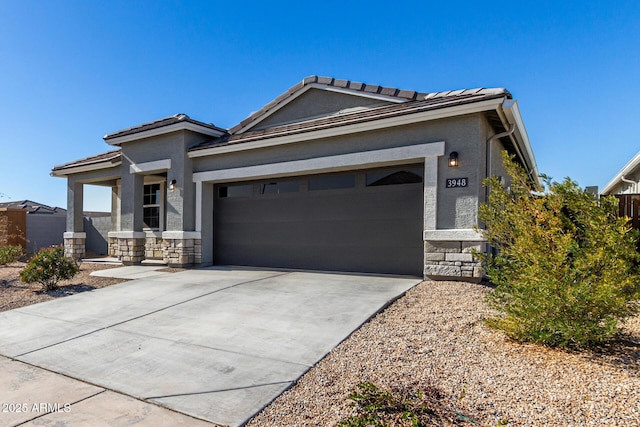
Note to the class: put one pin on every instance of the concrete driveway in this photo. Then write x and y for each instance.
(202, 346)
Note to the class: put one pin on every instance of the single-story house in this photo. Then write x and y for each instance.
(330, 175)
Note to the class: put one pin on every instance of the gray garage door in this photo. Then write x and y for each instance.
(363, 221)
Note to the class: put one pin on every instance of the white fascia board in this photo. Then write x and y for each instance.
(626, 170)
(512, 112)
(150, 167)
(460, 235)
(84, 168)
(164, 130)
(424, 116)
(337, 163)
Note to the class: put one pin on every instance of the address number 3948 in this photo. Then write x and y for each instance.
(457, 182)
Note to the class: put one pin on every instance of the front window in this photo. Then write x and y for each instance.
(151, 206)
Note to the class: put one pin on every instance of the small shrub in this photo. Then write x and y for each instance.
(48, 267)
(566, 265)
(401, 407)
(9, 254)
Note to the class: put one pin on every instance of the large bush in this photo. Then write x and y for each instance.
(9, 254)
(48, 267)
(565, 267)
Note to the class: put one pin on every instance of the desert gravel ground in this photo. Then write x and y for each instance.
(14, 294)
(435, 336)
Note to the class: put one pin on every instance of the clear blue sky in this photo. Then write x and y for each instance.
(72, 71)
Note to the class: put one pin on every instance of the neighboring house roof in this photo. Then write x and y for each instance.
(33, 207)
(165, 125)
(631, 167)
(100, 161)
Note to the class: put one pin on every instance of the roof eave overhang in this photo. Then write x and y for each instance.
(62, 173)
(626, 170)
(194, 127)
(400, 120)
(513, 116)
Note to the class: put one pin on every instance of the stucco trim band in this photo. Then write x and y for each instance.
(150, 167)
(127, 234)
(342, 162)
(456, 235)
(181, 235)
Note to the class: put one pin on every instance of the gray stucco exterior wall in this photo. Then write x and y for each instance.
(457, 207)
(97, 229)
(313, 103)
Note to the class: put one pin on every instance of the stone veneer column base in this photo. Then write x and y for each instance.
(74, 244)
(128, 246)
(453, 259)
(182, 248)
(153, 248)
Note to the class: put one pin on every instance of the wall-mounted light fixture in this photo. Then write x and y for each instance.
(453, 159)
(172, 185)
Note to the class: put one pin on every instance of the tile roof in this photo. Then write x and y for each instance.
(400, 94)
(177, 118)
(422, 102)
(113, 156)
(32, 207)
(411, 102)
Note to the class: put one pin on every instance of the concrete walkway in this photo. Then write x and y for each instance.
(210, 345)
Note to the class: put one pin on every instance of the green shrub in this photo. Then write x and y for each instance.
(401, 407)
(565, 268)
(48, 267)
(9, 254)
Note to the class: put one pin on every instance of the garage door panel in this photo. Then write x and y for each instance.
(377, 232)
(364, 229)
(317, 257)
(329, 207)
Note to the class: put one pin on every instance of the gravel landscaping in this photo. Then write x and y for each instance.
(435, 336)
(14, 293)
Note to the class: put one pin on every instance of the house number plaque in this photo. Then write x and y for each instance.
(457, 182)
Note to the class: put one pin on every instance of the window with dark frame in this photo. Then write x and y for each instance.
(395, 177)
(280, 187)
(241, 190)
(151, 206)
(332, 182)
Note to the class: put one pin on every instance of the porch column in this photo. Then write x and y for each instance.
(448, 253)
(204, 219)
(128, 242)
(75, 237)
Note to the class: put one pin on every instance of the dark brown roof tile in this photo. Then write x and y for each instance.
(389, 91)
(108, 157)
(372, 88)
(341, 83)
(177, 118)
